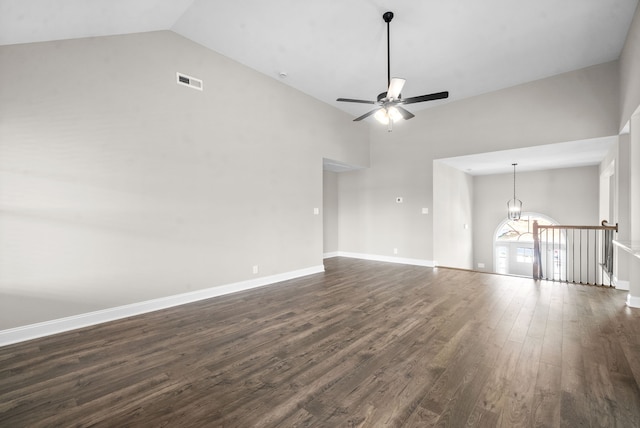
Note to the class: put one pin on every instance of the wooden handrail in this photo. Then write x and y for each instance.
(555, 226)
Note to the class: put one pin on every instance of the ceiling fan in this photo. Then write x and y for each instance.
(390, 103)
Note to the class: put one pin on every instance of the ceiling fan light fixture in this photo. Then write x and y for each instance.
(384, 115)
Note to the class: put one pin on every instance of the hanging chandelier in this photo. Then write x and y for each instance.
(514, 206)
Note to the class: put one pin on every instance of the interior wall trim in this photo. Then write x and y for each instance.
(620, 284)
(633, 301)
(47, 328)
(330, 255)
(379, 258)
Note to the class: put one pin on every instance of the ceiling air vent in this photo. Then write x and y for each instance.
(189, 81)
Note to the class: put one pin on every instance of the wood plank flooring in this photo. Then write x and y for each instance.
(363, 344)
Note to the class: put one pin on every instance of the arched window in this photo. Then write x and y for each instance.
(513, 244)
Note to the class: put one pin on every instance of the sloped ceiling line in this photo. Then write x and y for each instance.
(332, 49)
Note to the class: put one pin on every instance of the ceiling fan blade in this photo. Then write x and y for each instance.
(406, 115)
(430, 97)
(364, 116)
(350, 100)
(395, 87)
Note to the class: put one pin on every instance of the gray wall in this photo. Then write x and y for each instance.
(569, 196)
(330, 212)
(629, 158)
(453, 196)
(117, 185)
(573, 106)
(619, 157)
(629, 72)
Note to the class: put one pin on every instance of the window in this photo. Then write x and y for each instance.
(524, 255)
(521, 230)
(513, 244)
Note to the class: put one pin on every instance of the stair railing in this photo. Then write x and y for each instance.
(578, 254)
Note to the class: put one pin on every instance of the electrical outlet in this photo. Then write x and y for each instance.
(425, 211)
(255, 269)
(480, 265)
(395, 251)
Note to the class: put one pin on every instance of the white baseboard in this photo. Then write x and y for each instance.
(375, 257)
(633, 301)
(34, 331)
(620, 284)
(331, 254)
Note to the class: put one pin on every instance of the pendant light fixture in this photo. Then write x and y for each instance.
(514, 206)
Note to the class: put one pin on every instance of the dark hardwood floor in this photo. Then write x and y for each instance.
(363, 344)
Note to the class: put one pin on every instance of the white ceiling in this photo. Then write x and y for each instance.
(333, 48)
(550, 156)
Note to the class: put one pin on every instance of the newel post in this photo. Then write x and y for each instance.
(536, 251)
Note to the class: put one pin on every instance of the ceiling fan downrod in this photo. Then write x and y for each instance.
(388, 16)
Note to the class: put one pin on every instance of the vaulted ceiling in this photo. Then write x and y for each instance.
(331, 48)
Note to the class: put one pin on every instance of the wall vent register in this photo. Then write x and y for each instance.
(189, 81)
